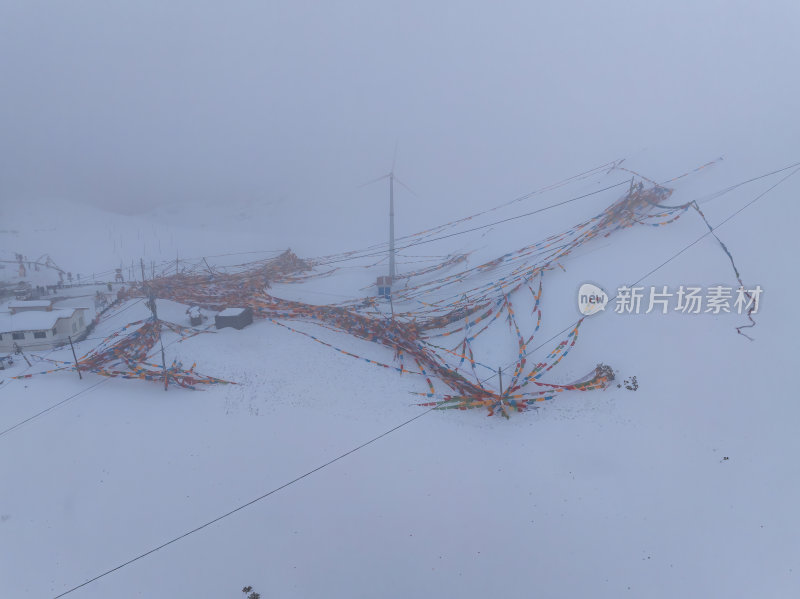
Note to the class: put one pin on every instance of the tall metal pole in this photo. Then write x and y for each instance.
(391, 227)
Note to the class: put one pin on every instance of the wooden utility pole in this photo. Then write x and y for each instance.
(22, 353)
(151, 303)
(500, 374)
(78, 368)
(163, 364)
(208, 267)
(141, 262)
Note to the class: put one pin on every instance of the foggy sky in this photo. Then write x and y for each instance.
(129, 104)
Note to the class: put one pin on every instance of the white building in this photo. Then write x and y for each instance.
(37, 325)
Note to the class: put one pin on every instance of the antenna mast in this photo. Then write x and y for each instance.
(391, 227)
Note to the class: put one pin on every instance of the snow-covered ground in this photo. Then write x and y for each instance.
(684, 487)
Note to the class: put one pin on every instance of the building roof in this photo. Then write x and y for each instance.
(30, 304)
(33, 320)
(232, 311)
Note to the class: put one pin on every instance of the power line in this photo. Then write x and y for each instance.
(717, 194)
(707, 198)
(245, 505)
(430, 240)
(76, 394)
(505, 220)
(63, 401)
(681, 251)
(249, 503)
(524, 197)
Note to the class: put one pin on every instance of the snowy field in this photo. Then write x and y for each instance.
(684, 487)
(182, 142)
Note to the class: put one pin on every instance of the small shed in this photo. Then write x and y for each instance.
(238, 318)
(195, 315)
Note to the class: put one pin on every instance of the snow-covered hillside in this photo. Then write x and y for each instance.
(683, 487)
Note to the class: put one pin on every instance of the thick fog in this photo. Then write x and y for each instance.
(132, 104)
(316, 422)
